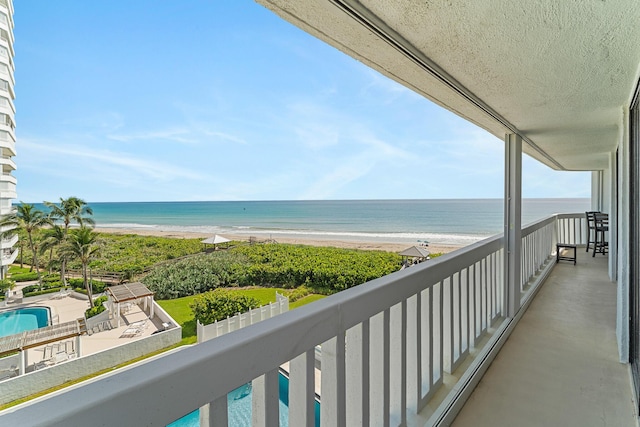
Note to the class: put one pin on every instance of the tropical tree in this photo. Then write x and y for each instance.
(28, 219)
(52, 238)
(72, 209)
(82, 244)
(22, 238)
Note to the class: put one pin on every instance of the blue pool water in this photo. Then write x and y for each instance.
(239, 407)
(23, 319)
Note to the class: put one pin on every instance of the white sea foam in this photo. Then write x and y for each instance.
(434, 238)
(127, 225)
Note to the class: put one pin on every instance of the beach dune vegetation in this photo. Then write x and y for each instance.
(197, 274)
(323, 270)
(133, 254)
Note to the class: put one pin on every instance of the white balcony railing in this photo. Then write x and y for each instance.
(387, 347)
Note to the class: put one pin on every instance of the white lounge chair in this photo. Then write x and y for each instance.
(131, 332)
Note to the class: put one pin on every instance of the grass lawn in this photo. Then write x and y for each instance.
(179, 308)
(14, 269)
(306, 300)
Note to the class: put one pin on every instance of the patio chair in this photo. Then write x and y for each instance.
(591, 228)
(139, 324)
(60, 357)
(131, 332)
(601, 228)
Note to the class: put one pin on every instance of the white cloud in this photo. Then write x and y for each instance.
(156, 170)
(181, 135)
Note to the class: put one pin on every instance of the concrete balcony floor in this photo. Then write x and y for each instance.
(560, 367)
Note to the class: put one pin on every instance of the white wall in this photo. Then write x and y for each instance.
(34, 382)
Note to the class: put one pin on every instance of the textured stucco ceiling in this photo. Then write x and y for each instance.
(560, 73)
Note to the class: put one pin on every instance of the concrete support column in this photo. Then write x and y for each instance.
(512, 222)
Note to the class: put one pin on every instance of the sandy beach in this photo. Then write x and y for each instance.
(379, 246)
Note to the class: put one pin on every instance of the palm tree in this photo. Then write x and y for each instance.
(29, 219)
(72, 209)
(54, 237)
(82, 244)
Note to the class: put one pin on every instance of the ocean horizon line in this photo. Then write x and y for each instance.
(445, 221)
(324, 200)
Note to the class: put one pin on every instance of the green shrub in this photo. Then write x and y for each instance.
(51, 278)
(24, 277)
(36, 292)
(6, 284)
(96, 285)
(97, 308)
(50, 285)
(196, 274)
(29, 289)
(219, 304)
(299, 292)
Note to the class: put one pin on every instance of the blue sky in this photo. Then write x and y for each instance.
(152, 100)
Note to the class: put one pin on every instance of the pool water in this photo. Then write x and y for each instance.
(239, 408)
(23, 319)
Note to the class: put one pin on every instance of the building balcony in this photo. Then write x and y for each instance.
(9, 256)
(406, 349)
(6, 179)
(560, 366)
(7, 141)
(8, 242)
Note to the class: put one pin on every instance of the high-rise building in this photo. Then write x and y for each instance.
(7, 130)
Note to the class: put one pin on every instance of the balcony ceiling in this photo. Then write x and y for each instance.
(559, 73)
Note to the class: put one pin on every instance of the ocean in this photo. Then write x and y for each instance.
(447, 222)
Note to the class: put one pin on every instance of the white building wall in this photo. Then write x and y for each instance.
(7, 128)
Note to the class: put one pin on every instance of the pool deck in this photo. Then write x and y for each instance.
(72, 307)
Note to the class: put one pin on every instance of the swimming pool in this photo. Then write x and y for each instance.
(239, 408)
(23, 319)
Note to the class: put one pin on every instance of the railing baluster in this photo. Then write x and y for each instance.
(403, 367)
(397, 363)
(440, 331)
(332, 409)
(215, 414)
(302, 390)
(448, 326)
(459, 307)
(386, 368)
(468, 309)
(474, 303)
(265, 404)
(366, 372)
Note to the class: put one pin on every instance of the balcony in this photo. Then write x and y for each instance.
(9, 257)
(560, 365)
(405, 349)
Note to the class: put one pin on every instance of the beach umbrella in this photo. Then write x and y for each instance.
(215, 240)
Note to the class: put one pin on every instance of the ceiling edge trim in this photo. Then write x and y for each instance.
(373, 23)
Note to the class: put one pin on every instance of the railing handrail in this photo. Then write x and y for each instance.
(201, 374)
